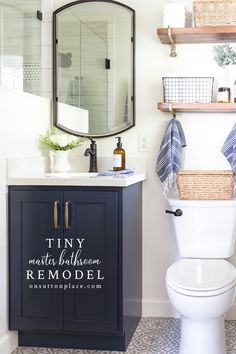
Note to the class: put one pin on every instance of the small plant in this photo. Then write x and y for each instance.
(60, 141)
(224, 55)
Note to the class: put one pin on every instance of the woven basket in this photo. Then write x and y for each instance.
(205, 185)
(214, 13)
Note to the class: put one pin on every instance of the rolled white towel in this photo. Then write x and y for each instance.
(174, 15)
(172, 11)
(174, 6)
(177, 18)
(174, 23)
(176, 10)
(173, 18)
(169, 22)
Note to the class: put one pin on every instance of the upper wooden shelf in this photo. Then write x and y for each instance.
(188, 35)
(198, 107)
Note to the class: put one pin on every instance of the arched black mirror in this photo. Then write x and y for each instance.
(93, 69)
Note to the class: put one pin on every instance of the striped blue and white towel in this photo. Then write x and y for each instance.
(229, 148)
(127, 172)
(170, 154)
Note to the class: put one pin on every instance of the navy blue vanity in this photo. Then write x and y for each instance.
(75, 265)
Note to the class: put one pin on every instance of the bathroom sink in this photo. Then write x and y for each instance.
(72, 174)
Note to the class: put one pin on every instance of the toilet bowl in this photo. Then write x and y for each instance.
(201, 285)
(201, 291)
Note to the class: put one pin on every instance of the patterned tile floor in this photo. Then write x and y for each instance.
(153, 336)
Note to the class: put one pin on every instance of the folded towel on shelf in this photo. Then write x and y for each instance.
(174, 23)
(170, 155)
(172, 7)
(127, 172)
(229, 148)
(176, 15)
(174, 20)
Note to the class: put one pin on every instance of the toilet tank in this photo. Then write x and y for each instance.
(206, 229)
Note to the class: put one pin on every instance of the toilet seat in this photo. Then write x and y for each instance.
(201, 277)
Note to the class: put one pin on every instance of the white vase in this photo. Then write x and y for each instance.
(59, 161)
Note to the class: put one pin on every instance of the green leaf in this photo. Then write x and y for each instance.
(224, 55)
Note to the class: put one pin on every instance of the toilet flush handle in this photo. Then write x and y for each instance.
(177, 212)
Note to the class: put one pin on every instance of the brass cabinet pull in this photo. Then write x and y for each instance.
(55, 214)
(67, 226)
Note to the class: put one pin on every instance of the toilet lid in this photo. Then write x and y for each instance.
(202, 275)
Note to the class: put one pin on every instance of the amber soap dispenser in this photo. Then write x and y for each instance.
(119, 156)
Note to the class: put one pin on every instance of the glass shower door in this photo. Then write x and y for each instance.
(20, 45)
(82, 66)
(94, 74)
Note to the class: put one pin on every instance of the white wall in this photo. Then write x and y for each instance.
(205, 134)
(23, 117)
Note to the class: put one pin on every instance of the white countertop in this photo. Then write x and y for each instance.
(73, 180)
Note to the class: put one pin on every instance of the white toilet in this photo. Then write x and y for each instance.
(201, 286)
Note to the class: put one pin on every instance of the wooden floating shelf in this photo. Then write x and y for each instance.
(188, 35)
(198, 107)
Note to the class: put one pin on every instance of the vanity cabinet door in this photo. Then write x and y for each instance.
(90, 303)
(34, 301)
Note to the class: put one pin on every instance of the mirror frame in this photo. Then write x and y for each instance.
(55, 62)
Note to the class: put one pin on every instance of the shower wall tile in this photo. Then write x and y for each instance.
(11, 14)
(111, 104)
(32, 89)
(33, 51)
(28, 6)
(13, 24)
(22, 7)
(70, 33)
(15, 46)
(32, 26)
(111, 120)
(31, 73)
(33, 58)
(45, 94)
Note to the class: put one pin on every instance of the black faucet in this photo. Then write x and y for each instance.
(92, 152)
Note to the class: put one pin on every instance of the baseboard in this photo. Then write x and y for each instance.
(152, 308)
(8, 342)
(231, 314)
